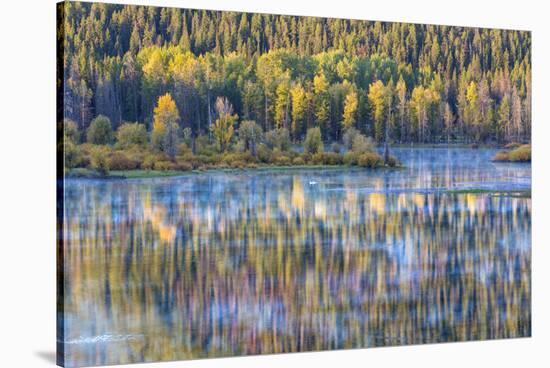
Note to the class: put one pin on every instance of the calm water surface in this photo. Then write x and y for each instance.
(251, 262)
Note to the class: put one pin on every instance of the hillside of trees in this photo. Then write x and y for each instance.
(406, 83)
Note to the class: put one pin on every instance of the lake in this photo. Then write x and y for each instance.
(270, 261)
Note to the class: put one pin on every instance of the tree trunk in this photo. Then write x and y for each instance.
(387, 138)
(253, 148)
(209, 118)
(265, 117)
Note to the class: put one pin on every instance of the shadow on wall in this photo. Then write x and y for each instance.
(48, 356)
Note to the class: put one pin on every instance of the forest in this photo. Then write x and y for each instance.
(287, 75)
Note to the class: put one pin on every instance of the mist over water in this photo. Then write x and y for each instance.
(268, 261)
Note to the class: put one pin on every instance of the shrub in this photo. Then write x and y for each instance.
(201, 141)
(239, 146)
(187, 135)
(501, 156)
(150, 160)
(512, 145)
(184, 166)
(250, 134)
(351, 158)
(278, 139)
(164, 165)
(87, 148)
(313, 142)
(99, 162)
(188, 159)
(209, 150)
(83, 159)
(70, 131)
(100, 131)
(271, 139)
(119, 161)
(336, 147)
(349, 134)
(282, 160)
(238, 164)
(203, 147)
(265, 155)
(392, 161)
(170, 140)
(71, 155)
(326, 158)
(362, 144)
(521, 154)
(136, 154)
(370, 160)
(332, 158)
(237, 157)
(183, 149)
(206, 160)
(131, 134)
(83, 154)
(298, 161)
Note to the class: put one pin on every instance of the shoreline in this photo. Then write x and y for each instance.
(83, 173)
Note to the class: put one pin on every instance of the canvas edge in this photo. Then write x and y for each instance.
(60, 269)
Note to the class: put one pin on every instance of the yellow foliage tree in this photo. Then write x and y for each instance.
(377, 101)
(165, 125)
(223, 126)
(299, 106)
(350, 109)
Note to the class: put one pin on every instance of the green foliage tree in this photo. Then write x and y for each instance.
(472, 115)
(100, 131)
(278, 139)
(401, 95)
(347, 138)
(313, 143)
(503, 123)
(131, 134)
(322, 102)
(362, 144)
(70, 154)
(261, 63)
(250, 134)
(99, 162)
(448, 118)
(70, 131)
(223, 128)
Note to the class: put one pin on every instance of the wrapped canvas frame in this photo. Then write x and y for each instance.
(307, 200)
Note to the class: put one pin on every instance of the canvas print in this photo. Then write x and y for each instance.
(235, 184)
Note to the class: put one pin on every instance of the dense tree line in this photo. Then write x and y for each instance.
(396, 81)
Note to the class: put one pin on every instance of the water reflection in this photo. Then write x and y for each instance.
(224, 264)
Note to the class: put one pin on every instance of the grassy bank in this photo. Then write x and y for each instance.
(137, 161)
(517, 153)
(85, 173)
(518, 193)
